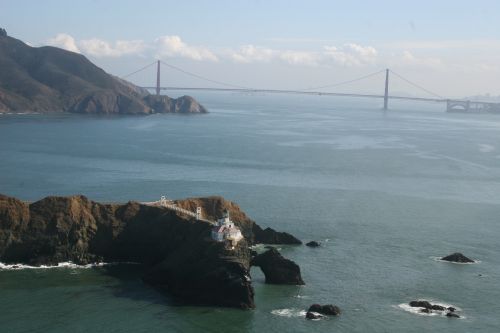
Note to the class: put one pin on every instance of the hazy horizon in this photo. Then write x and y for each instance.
(448, 47)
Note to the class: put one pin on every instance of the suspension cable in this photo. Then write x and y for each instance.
(416, 85)
(345, 82)
(202, 77)
(137, 71)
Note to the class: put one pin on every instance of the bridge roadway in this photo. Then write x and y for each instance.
(303, 92)
(174, 207)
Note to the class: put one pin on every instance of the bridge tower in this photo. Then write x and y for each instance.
(158, 78)
(386, 94)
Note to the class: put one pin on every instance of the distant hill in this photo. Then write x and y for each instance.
(50, 79)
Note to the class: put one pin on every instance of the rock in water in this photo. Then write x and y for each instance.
(328, 309)
(271, 236)
(312, 244)
(420, 304)
(165, 104)
(277, 269)
(207, 274)
(311, 315)
(452, 315)
(457, 257)
(427, 307)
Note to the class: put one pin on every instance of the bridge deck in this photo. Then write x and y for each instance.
(176, 208)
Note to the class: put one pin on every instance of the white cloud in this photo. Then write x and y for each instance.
(250, 53)
(64, 41)
(300, 58)
(409, 59)
(172, 46)
(347, 55)
(351, 54)
(100, 48)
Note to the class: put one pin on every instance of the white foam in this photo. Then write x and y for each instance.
(67, 264)
(289, 312)
(434, 313)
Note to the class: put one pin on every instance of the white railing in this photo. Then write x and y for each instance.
(169, 204)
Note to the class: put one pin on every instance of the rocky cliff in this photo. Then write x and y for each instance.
(177, 250)
(50, 79)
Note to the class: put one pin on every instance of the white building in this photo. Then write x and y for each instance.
(226, 230)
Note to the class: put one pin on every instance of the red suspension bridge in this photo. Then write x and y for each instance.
(452, 105)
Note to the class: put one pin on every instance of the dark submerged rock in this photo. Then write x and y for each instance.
(313, 244)
(427, 307)
(437, 307)
(420, 304)
(311, 315)
(452, 315)
(457, 257)
(277, 269)
(328, 309)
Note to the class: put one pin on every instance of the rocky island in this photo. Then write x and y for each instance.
(50, 79)
(176, 249)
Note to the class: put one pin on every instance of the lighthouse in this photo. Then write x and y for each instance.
(225, 230)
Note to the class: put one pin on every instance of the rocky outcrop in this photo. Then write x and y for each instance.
(50, 79)
(206, 275)
(213, 208)
(165, 104)
(457, 257)
(329, 309)
(313, 316)
(277, 269)
(313, 244)
(271, 236)
(427, 307)
(177, 252)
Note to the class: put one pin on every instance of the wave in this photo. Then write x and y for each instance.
(289, 313)
(67, 264)
(302, 296)
(435, 313)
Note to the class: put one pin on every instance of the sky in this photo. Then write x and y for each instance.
(451, 48)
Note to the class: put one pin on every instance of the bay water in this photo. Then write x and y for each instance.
(386, 194)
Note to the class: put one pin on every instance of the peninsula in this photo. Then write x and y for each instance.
(182, 254)
(50, 79)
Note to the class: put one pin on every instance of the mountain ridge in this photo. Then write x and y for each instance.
(50, 79)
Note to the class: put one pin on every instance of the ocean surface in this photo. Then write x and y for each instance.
(386, 193)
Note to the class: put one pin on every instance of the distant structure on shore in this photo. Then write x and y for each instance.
(225, 230)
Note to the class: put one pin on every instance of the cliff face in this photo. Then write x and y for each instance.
(177, 250)
(50, 79)
(213, 208)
